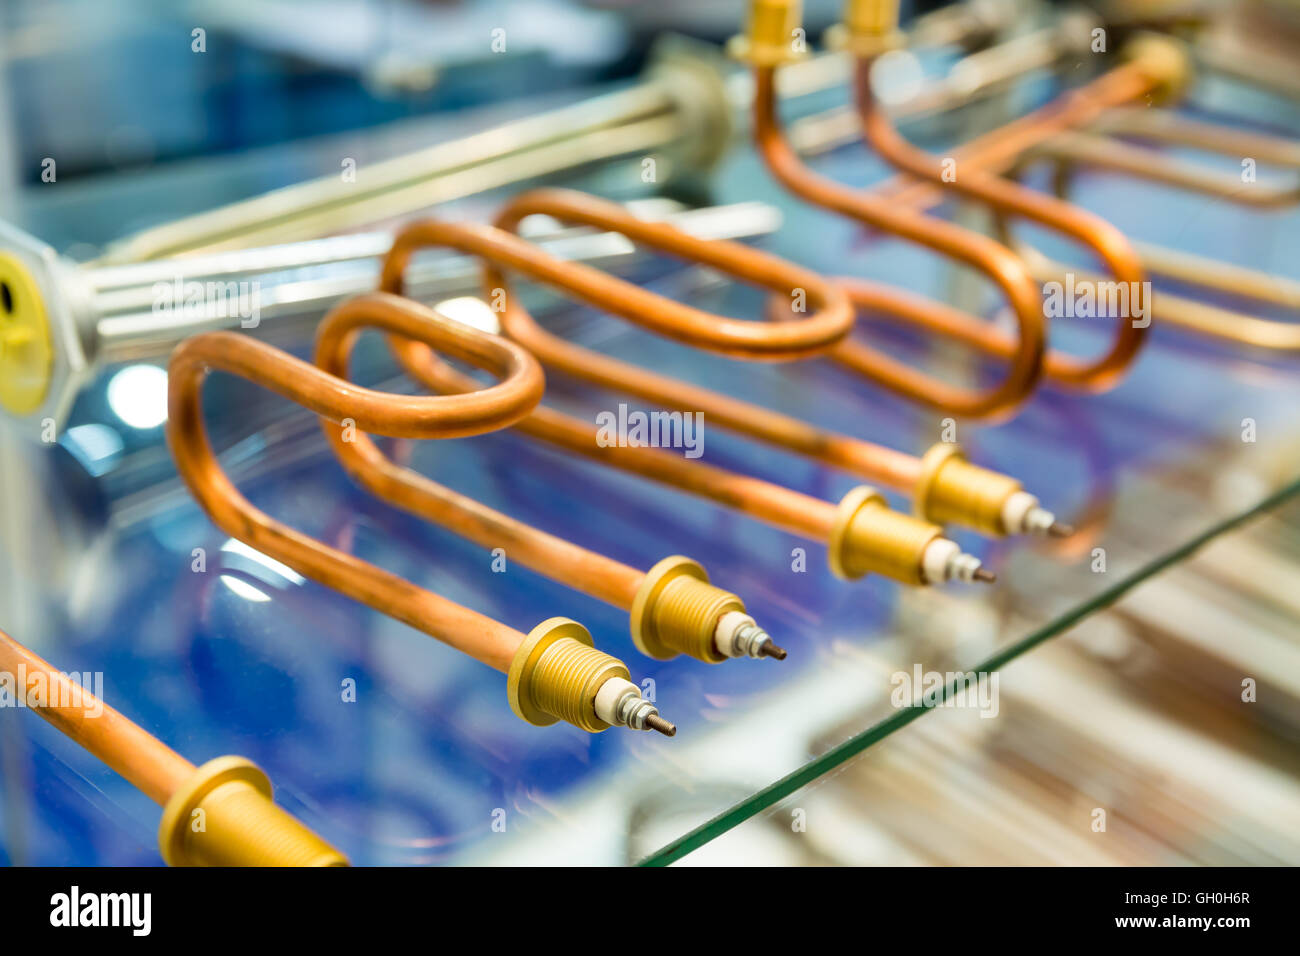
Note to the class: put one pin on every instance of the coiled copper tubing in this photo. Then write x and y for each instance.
(501, 250)
(1010, 197)
(1239, 328)
(985, 254)
(519, 390)
(553, 671)
(584, 570)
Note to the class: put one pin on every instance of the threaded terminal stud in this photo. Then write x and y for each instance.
(677, 611)
(953, 491)
(870, 537)
(557, 674)
(224, 816)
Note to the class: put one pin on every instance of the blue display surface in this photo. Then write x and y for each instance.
(401, 751)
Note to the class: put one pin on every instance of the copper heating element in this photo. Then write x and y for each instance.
(418, 416)
(884, 210)
(554, 672)
(829, 319)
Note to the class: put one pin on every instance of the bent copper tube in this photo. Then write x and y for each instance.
(998, 150)
(973, 249)
(584, 570)
(784, 508)
(554, 672)
(1228, 325)
(1201, 318)
(828, 321)
(876, 463)
(1099, 147)
(774, 504)
(495, 407)
(1006, 196)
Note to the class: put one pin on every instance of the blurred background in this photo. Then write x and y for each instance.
(1166, 691)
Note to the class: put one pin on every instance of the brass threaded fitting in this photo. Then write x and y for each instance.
(676, 611)
(556, 673)
(224, 816)
(770, 28)
(1166, 60)
(953, 491)
(871, 16)
(869, 536)
(870, 28)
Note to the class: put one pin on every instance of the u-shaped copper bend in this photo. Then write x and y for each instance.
(410, 416)
(980, 252)
(1009, 197)
(554, 672)
(894, 551)
(828, 321)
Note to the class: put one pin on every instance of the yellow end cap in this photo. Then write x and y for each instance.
(224, 816)
(26, 343)
(1166, 60)
(953, 491)
(870, 28)
(676, 611)
(870, 537)
(773, 34)
(556, 673)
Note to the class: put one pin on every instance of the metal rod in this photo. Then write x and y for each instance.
(145, 761)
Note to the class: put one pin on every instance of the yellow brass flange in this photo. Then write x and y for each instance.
(769, 37)
(676, 611)
(953, 491)
(224, 816)
(869, 536)
(26, 344)
(870, 28)
(1166, 60)
(556, 673)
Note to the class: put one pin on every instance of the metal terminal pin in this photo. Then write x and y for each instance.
(736, 635)
(967, 567)
(620, 702)
(655, 722)
(1041, 521)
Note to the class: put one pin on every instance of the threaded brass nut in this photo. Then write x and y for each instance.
(953, 491)
(556, 673)
(870, 28)
(676, 611)
(224, 816)
(769, 34)
(1166, 60)
(869, 536)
